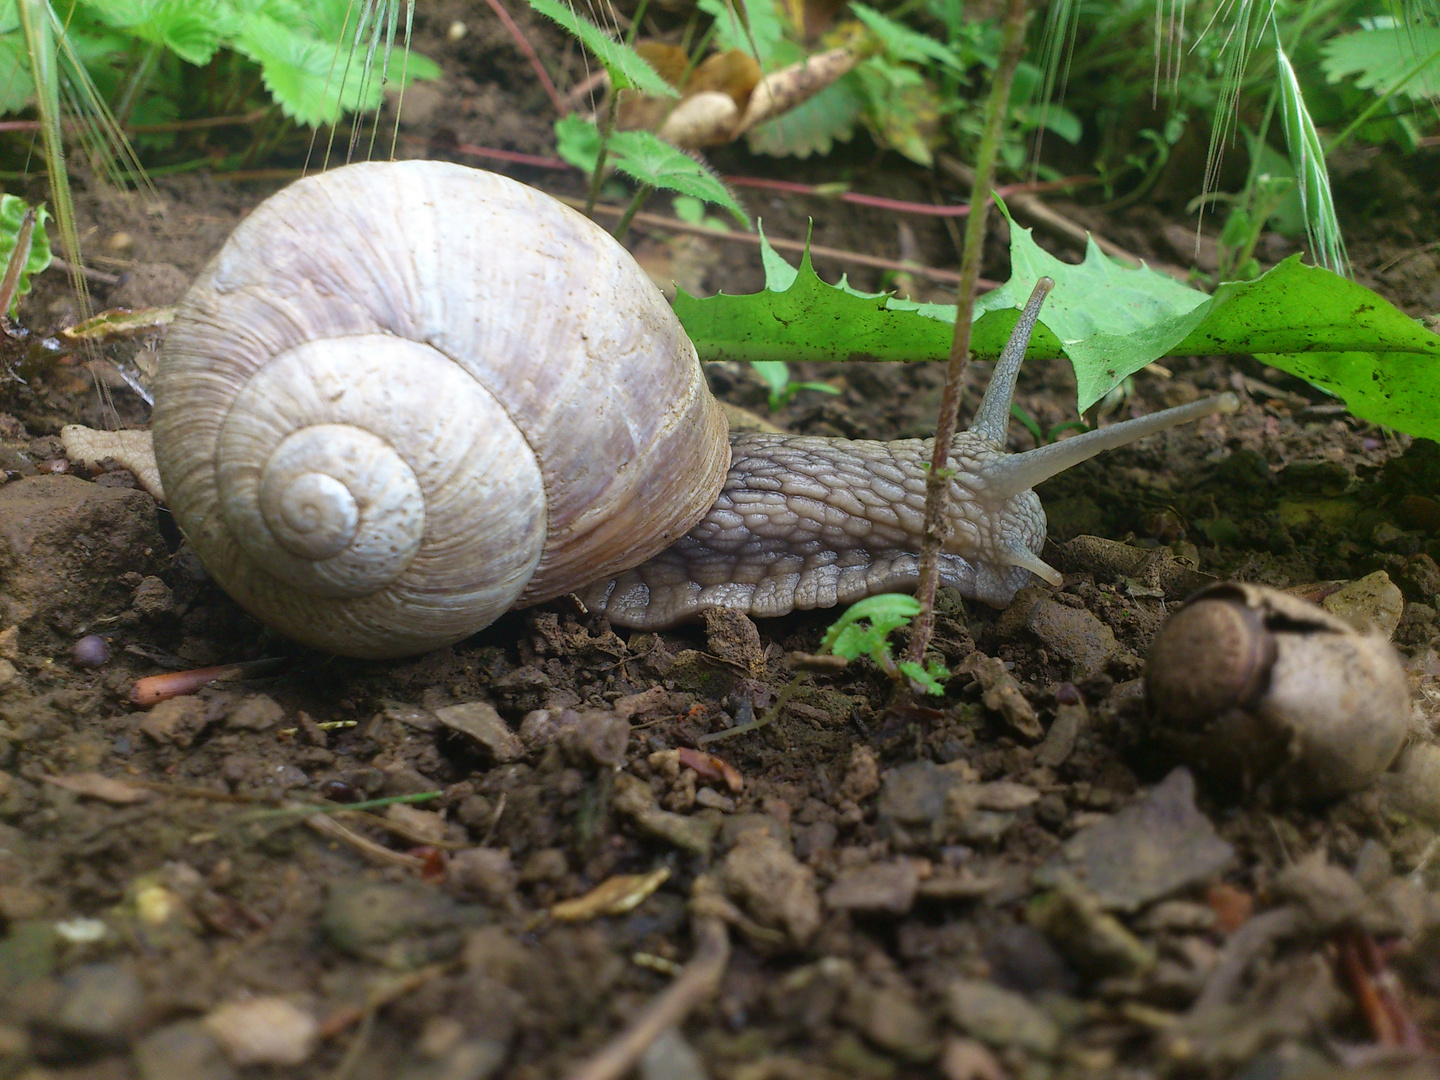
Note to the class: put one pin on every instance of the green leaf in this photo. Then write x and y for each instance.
(808, 319)
(627, 68)
(1381, 58)
(308, 78)
(191, 29)
(645, 157)
(930, 677)
(902, 43)
(845, 638)
(12, 215)
(1110, 321)
(17, 88)
(577, 141)
(760, 32)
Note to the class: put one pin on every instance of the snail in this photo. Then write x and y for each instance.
(406, 397)
(1271, 695)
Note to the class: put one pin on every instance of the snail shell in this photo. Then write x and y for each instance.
(407, 396)
(1273, 695)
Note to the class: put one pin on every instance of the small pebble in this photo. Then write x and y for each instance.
(92, 650)
(181, 1049)
(263, 1031)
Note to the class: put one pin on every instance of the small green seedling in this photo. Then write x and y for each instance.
(847, 639)
(885, 613)
(776, 374)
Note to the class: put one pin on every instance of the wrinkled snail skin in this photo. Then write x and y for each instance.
(408, 396)
(805, 522)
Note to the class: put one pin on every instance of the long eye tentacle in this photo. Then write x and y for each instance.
(1013, 473)
(992, 419)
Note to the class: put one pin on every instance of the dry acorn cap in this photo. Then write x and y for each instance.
(1273, 695)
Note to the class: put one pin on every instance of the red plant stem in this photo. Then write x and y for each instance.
(937, 486)
(901, 206)
(529, 51)
(879, 202)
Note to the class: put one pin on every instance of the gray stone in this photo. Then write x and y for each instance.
(887, 887)
(893, 1022)
(99, 1001)
(480, 721)
(255, 713)
(1000, 1017)
(184, 1049)
(1149, 850)
(671, 1057)
(397, 925)
(1060, 740)
(1075, 635)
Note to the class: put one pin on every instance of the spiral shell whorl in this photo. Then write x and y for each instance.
(370, 408)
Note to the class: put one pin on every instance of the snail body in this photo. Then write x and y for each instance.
(408, 396)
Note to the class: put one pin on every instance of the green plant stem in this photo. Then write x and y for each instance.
(937, 486)
(597, 177)
(35, 21)
(137, 82)
(623, 226)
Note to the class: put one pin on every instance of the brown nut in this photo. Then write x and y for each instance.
(1267, 692)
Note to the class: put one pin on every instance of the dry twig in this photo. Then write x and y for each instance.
(696, 982)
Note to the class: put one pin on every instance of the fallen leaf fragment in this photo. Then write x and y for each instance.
(118, 323)
(105, 788)
(783, 90)
(614, 896)
(711, 767)
(704, 119)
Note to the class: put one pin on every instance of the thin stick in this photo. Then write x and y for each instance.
(19, 256)
(529, 51)
(937, 487)
(1021, 199)
(697, 981)
(852, 258)
(99, 276)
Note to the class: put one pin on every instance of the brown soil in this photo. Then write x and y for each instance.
(898, 876)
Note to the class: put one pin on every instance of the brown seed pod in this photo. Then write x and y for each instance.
(1264, 691)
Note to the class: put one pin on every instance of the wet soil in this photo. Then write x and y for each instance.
(1017, 879)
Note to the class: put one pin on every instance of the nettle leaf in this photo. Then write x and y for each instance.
(645, 157)
(191, 29)
(804, 318)
(12, 215)
(309, 79)
(577, 142)
(1380, 58)
(1110, 321)
(627, 68)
